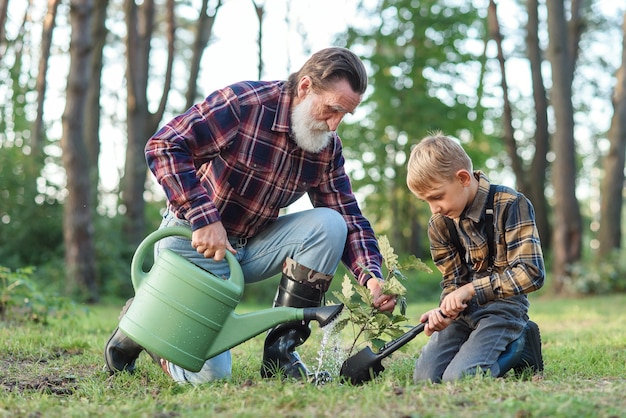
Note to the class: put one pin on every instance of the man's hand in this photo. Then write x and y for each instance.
(382, 302)
(212, 241)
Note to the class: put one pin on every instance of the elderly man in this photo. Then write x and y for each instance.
(230, 163)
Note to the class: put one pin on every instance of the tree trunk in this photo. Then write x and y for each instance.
(141, 123)
(568, 224)
(610, 234)
(204, 29)
(539, 165)
(77, 216)
(92, 112)
(4, 8)
(155, 119)
(139, 25)
(37, 134)
(416, 230)
(507, 116)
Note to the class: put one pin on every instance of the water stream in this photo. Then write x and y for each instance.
(331, 354)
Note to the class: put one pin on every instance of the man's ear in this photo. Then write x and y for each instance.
(464, 177)
(304, 86)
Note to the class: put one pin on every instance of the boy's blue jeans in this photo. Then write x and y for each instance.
(473, 342)
(314, 238)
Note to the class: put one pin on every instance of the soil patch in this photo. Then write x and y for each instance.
(18, 375)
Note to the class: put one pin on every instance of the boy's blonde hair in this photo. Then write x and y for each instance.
(434, 160)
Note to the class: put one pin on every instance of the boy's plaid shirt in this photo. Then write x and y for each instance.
(518, 266)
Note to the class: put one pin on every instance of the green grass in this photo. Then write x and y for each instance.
(56, 370)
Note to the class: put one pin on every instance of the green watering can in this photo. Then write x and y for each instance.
(187, 315)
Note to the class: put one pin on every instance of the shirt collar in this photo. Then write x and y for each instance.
(477, 208)
(281, 121)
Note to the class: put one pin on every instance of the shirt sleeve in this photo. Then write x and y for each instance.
(519, 265)
(361, 254)
(186, 142)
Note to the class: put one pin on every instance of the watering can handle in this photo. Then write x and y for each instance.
(137, 273)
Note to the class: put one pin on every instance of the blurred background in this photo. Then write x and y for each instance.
(535, 91)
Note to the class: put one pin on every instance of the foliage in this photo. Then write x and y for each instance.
(30, 218)
(368, 323)
(31, 232)
(424, 77)
(598, 277)
(30, 214)
(21, 300)
(419, 65)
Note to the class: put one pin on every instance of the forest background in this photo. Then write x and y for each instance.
(535, 91)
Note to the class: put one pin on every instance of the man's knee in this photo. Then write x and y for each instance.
(332, 224)
(216, 368)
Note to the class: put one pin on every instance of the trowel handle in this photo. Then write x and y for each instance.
(136, 268)
(394, 345)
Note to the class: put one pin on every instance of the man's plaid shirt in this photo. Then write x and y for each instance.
(230, 158)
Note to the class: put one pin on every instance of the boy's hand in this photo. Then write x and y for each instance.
(435, 321)
(454, 303)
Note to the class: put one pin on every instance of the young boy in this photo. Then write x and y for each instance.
(481, 324)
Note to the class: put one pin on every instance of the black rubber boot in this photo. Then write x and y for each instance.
(512, 355)
(300, 287)
(531, 358)
(524, 353)
(120, 352)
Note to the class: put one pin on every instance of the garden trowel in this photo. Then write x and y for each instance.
(366, 365)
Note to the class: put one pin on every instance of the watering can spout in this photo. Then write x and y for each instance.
(324, 315)
(240, 328)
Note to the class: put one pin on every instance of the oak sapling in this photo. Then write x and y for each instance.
(369, 325)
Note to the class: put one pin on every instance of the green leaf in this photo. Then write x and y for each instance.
(387, 251)
(378, 343)
(398, 274)
(340, 324)
(365, 294)
(393, 286)
(403, 305)
(347, 289)
(396, 319)
(415, 263)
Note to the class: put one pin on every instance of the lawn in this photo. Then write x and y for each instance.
(55, 370)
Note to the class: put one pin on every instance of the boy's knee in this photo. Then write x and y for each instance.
(456, 375)
(425, 373)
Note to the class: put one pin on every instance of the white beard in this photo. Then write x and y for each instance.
(311, 135)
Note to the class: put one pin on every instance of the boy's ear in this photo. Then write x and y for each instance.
(464, 177)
